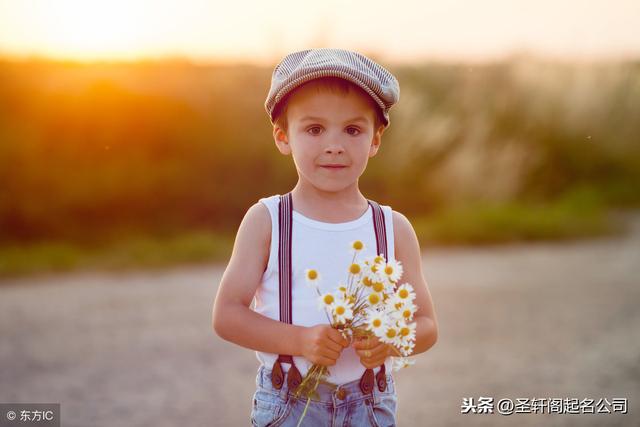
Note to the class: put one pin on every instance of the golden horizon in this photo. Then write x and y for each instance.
(251, 31)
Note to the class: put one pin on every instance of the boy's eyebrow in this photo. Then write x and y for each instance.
(319, 119)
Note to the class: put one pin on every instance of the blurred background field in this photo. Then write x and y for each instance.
(149, 163)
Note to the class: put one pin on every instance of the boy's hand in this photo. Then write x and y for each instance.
(372, 352)
(322, 344)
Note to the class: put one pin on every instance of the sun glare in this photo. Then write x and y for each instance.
(257, 31)
(96, 29)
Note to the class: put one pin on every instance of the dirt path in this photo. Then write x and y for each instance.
(548, 320)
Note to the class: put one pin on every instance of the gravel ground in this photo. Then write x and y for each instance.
(518, 321)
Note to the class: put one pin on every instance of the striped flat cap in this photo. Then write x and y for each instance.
(300, 67)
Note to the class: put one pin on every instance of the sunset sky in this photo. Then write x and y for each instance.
(261, 31)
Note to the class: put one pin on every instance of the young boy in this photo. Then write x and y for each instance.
(329, 109)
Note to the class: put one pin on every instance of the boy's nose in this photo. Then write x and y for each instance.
(334, 148)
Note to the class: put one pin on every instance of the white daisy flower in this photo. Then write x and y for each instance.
(376, 321)
(394, 305)
(355, 269)
(342, 288)
(326, 300)
(365, 281)
(390, 335)
(407, 331)
(407, 348)
(372, 269)
(408, 310)
(342, 311)
(312, 277)
(357, 245)
(379, 286)
(379, 259)
(374, 299)
(401, 362)
(392, 270)
(405, 292)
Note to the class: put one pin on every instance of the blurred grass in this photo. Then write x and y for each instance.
(131, 252)
(580, 213)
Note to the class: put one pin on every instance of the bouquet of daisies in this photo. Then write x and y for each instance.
(370, 303)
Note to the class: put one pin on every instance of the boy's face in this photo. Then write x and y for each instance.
(330, 136)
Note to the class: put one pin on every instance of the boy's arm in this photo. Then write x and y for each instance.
(407, 251)
(234, 321)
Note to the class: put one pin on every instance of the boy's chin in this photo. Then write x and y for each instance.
(329, 187)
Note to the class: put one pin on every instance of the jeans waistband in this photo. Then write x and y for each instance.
(329, 394)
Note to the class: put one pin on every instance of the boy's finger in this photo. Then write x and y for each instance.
(330, 353)
(325, 361)
(337, 337)
(375, 352)
(365, 345)
(332, 345)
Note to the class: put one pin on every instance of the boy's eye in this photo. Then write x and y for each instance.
(314, 130)
(353, 130)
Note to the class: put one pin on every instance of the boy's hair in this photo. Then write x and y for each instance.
(332, 85)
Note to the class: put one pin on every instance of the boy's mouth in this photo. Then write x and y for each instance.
(333, 166)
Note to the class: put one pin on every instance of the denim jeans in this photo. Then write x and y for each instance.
(345, 405)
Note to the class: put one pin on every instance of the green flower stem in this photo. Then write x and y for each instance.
(304, 412)
(315, 387)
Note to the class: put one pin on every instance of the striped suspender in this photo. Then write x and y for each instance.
(285, 210)
(380, 229)
(285, 223)
(284, 256)
(366, 382)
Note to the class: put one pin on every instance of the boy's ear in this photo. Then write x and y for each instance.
(281, 139)
(376, 141)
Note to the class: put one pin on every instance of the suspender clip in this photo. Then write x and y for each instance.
(366, 382)
(277, 376)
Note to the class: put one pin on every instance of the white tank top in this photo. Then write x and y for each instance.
(324, 247)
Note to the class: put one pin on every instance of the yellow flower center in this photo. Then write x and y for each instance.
(378, 286)
(374, 268)
(328, 299)
(357, 245)
(406, 313)
(398, 305)
(352, 299)
(354, 269)
(391, 333)
(366, 281)
(374, 299)
(376, 323)
(403, 293)
(378, 259)
(312, 274)
(339, 310)
(388, 270)
(404, 331)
